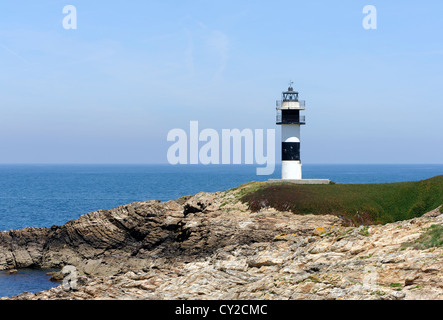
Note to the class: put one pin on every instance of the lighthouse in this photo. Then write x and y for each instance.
(290, 120)
(288, 116)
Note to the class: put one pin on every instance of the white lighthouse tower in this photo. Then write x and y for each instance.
(288, 116)
(290, 120)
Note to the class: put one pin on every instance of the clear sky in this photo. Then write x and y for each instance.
(109, 91)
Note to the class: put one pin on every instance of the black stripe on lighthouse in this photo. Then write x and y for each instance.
(290, 151)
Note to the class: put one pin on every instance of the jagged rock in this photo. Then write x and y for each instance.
(210, 246)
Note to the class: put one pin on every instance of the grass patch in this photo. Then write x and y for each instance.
(358, 204)
(432, 238)
(364, 231)
(224, 204)
(248, 188)
(378, 293)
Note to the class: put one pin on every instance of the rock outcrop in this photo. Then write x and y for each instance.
(210, 246)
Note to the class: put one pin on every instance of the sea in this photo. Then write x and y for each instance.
(47, 195)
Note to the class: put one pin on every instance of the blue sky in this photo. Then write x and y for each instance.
(110, 91)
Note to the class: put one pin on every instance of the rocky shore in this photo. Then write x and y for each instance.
(211, 246)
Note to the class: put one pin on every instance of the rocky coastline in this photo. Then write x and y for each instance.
(211, 246)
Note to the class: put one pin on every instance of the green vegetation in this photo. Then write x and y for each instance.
(369, 256)
(364, 231)
(358, 204)
(224, 204)
(395, 285)
(248, 188)
(433, 237)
